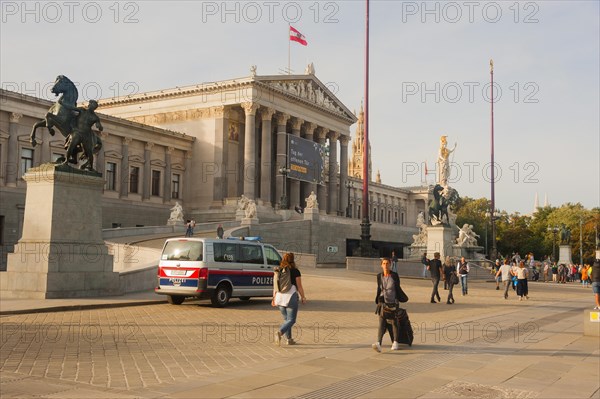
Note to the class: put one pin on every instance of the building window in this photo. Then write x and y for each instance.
(156, 183)
(175, 186)
(134, 179)
(374, 215)
(358, 212)
(26, 159)
(389, 217)
(111, 176)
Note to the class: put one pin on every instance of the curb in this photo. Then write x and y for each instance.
(67, 308)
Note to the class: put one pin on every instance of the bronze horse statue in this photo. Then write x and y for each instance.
(64, 115)
(438, 207)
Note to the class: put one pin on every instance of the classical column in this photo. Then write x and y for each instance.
(309, 129)
(250, 168)
(220, 156)
(332, 188)
(281, 154)
(167, 181)
(187, 178)
(12, 162)
(147, 171)
(343, 197)
(266, 166)
(321, 134)
(124, 180)
(295, 184)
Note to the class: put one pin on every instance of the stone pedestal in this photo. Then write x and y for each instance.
(249, 221)
(61, 253)
(240, 214)
(564, 255)
(439, 239)
(311, 214)
(175, 222)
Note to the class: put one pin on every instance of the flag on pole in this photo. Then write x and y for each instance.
(426, 172)
(296, 36)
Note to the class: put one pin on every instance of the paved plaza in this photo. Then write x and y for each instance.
(483, 346)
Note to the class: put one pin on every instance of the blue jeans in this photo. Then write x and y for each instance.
(463, 283)
(289, 314)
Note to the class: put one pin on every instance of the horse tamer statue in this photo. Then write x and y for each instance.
(74, 123)
(438, 207)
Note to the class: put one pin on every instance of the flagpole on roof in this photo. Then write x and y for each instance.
(289, 49)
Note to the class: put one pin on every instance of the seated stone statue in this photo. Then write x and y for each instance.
(242, 203)
(311, 201)
(176, 213)
(250, 209)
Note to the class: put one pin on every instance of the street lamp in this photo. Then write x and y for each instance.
(349, 185)
(493, 217)
(283, 203)
(554, 230)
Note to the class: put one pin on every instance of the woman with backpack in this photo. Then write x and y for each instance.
(287, 284)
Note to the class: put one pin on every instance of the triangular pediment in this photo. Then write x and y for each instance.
(308, 89)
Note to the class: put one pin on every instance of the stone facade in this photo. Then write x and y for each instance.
(204, 146)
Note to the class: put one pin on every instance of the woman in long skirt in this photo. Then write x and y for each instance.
(522, 288)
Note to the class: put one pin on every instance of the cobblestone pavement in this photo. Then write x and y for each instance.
(483, 346)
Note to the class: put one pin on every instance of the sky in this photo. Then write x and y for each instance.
(429, 75)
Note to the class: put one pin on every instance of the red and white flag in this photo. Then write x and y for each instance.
(426, 171)
(296, 36)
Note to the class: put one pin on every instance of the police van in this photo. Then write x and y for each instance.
(215, 268)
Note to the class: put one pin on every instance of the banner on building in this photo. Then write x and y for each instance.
(306, 160)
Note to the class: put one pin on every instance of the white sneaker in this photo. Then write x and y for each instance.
(395, 346)
(278, 338)
(376, 347)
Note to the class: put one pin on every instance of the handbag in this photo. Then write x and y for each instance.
(389, 310)
(453, 279)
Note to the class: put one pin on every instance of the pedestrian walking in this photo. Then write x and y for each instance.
(425, 263)
(596, 282)
(463, 272)
(447, 262)
(505, 273)
(522, 288)
(497, 278)
(395, 263)
(389, 295)
(287, 284)
(435, 270)
(220, 231)
(450, 278)
(546, 269)
(188, 228)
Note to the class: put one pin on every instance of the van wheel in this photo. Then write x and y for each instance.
(221, 296)
(244, 298)
(175, 299)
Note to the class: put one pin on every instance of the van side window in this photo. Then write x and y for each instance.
(225, 252)
(273, 257)
(251, 254)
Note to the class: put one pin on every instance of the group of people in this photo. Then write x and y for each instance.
(450, 271)
(561, 273)
(288, 291)
(508, 273)
(189, 227)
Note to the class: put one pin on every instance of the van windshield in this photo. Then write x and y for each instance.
(183, 250)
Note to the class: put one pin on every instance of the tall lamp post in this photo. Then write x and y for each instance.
(349, 185)
(366, 248)
(493, 217)
(283, 204)
(494, 254)
(554, 230)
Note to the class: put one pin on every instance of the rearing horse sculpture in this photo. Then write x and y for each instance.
(438, 207)
(59, 116)
(74, 123)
